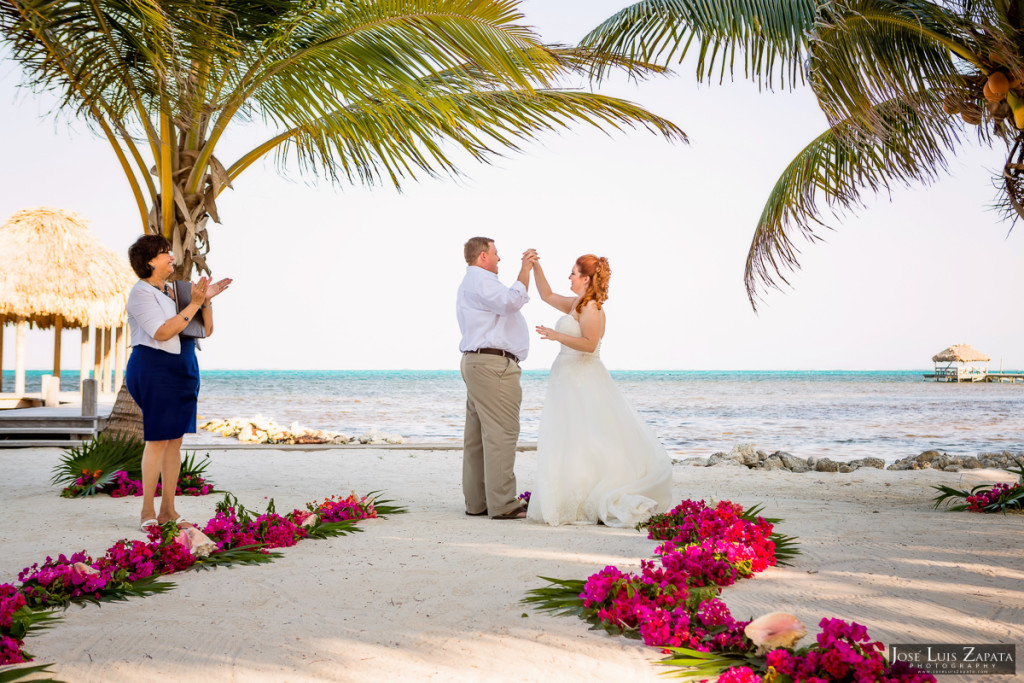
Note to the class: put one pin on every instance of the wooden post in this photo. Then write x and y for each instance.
(58, 329)
(48, 391)
(19, 358)
(83, 362)
(3, 326)
(105, 382)
(97, 355)
(118, 358)
(89, 398)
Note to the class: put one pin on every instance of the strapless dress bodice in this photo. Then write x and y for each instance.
(571, 326)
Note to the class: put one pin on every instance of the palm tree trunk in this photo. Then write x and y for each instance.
(126, 417)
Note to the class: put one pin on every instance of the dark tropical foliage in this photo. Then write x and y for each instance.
(901, 82)
(371, 91)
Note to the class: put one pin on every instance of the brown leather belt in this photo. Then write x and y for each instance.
(497, 352)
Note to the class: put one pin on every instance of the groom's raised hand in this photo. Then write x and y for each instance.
(529, 257)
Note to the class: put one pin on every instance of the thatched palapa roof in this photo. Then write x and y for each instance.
(53, 265)
(960, 353)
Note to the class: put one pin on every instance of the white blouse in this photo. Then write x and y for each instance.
(148, 309)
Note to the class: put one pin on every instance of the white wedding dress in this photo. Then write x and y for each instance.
(596, 458)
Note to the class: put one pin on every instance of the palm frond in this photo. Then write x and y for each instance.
(695, 664)
(377, 141)
(786, 547)
(248, 555)
(768, 38)
(836, 169)
(948, 494)
(333, 529)
(384, 506)
(361, 91)
(105, 454)
(870, 51)
(364, 49)
(27, 673)
(1008, 498)
(561, 597)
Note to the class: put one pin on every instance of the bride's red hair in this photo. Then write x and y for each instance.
(596, 268)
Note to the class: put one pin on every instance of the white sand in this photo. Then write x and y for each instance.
(434, 594)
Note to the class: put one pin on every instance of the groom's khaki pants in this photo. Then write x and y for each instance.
(493, 396)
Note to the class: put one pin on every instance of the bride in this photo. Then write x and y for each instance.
(597, 461)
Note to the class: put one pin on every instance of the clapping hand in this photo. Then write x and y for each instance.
(199, 289)
(216, 288)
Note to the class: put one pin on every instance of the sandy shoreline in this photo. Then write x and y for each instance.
(434, 595)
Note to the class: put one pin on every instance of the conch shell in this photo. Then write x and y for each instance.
(775, 630)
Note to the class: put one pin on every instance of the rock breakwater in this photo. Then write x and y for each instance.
(747, 455)
(259, 430)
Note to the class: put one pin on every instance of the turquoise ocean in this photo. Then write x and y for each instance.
(841, 415)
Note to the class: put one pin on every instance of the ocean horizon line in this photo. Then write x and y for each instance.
(10, 371)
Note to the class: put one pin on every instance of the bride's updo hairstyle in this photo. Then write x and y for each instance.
(596, 268)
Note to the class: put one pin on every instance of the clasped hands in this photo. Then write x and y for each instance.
(530, 259)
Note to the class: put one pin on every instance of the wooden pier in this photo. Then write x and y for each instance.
(62, 426)
(958, 375)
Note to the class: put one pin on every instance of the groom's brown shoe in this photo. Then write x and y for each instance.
(517, 513)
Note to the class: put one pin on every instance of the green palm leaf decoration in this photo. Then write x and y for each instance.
(561, 597)
(786, 547)
(899, 81)
(333, 529)
(106, 455)
(697, 665)
(385, 507)
(27, 673)
(98, 461)
(380, 91)
(985, 497)
(247, 554)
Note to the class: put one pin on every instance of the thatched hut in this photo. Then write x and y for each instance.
(56, 273)
(960, 363)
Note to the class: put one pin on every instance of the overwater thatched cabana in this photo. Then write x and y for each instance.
(960, 363)
(56, 273)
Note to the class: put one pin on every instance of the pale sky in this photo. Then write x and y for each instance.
(357, 278)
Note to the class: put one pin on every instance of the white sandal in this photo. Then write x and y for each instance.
(146, 523)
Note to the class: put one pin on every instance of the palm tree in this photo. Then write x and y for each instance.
(900, 81)
(363, 91)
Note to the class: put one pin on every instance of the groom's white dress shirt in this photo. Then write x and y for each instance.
(488, 313)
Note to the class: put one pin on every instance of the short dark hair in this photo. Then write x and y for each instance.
(145, 249)
(476, 246)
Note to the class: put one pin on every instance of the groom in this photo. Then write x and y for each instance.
(495, 339)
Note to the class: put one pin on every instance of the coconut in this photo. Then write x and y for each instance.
(990, 96)
(998, 84)
(972, 116)
(950, 105)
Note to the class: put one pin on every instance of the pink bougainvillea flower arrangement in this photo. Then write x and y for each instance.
(674, 604)
(113, 465)
(133, 567)
(986, 497)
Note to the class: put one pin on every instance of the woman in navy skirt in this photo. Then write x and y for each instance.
(162, 374)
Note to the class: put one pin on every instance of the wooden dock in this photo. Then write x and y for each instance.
(951, 375)
(62, 426)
